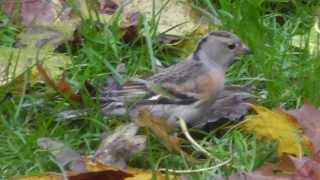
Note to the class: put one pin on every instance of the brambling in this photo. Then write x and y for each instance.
(184, 89)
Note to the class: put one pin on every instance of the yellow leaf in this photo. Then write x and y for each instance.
(14, 62)
(105, 171)
(40, 177)
(278, 126)
(138, 174)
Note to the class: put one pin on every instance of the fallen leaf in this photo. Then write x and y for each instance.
(281, 127)
(35, 11)
(129, 26)
(65, 88)
(107, 6)
(307, 168)
(40, 177)
(102, 175)
(138, 174)
(173, 13)
(287, 168)
(47, 36)
(160, 128)
(186, 21)
(62, 86)
(257, 175)
(47, 26)
(64, 155)
(14, 62)
(308, 117)
(104, 172)
(118, 147)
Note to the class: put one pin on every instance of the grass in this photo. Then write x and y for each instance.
(284, 74)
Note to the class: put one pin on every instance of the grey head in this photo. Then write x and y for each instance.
(220, 47)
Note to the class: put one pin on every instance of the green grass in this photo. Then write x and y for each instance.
(285, 74)
(7, 31)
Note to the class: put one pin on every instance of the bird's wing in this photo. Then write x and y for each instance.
(166, 87)
(192, 79)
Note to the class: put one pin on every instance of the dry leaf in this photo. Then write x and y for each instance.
(14, 62)
(107, 6)
(40, 177)
(101, 175)
(62, 86)
(35, 11)
(307, 168)
(116, 148)
(308, 117)
(138, 174)
(161, 128)
(175, 13)
(65, 88)
(99, 171)
(287, 168)
(47, 36)
(279, 126)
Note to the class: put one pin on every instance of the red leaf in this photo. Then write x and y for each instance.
(102, 175)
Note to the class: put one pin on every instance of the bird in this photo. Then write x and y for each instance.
(185, 89)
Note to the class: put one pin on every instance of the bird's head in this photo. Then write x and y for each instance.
(220, 47)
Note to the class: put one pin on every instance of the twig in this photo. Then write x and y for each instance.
(189, 137)
(196, 170)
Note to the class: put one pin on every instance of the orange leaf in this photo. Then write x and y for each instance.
(62, 86)
(161, 128)
(65, 88)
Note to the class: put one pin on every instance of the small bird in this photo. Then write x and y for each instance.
(184, 89)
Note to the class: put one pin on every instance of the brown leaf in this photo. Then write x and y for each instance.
(306, 168)
(138, 174)
(161, 128)
(116, 148)
(65, 88)
(62, 86)
(102, 175)
(129, 26)
(35, 11)
(308, 117)
(287, 168)
(103, 172)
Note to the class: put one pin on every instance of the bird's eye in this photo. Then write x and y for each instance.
(232, 46)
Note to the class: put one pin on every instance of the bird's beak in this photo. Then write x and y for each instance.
(245, 50)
